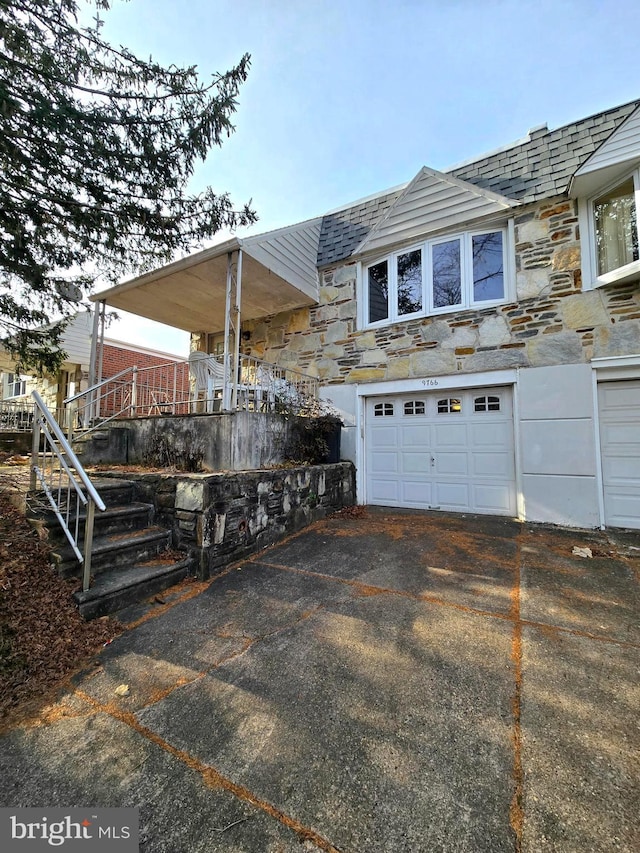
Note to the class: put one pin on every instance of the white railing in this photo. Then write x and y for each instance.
(16, 415)
(68, 489)
(195, 386)
(270, 388)
(134, 392)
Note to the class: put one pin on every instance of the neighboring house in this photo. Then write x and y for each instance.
(479, 328)
(73, 375)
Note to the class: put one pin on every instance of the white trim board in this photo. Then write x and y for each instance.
(453, 380)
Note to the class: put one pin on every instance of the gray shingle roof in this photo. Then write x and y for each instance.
(540, 167)
(343, 230)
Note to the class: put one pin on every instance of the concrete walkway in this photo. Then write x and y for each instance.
(396, 682)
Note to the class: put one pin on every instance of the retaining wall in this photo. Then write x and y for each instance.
(220, 518)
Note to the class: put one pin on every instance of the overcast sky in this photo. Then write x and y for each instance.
(346, 98)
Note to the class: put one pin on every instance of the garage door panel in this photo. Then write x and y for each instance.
(491, 433)
(416, 436)
(413, 463)
(622, 433)
(450, 435)
(619, 414)
(459, 461)
(385, 463)
(491, 498)
(622, 469)
(448, 463)
(416, 494)
(385, 491)
(384, 436)
(451, 495)
(499, 465)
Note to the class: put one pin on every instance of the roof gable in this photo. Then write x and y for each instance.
(431, 202)
(616, 155)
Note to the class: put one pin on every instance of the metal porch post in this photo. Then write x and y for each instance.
(232, 327)
(236, 337)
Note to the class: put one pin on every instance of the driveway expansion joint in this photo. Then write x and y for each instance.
(211, 777)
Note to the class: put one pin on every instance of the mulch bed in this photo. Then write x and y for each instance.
(43, 638)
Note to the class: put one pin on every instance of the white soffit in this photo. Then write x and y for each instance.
(278, 274)
(432, 202)
(290, 253)
(619, 153)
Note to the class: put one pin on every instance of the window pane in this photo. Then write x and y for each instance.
(378, 292)
(446, 274)
(488, 271)
(616, 228)
(410, 282)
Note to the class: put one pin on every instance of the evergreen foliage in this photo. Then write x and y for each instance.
(96, 150)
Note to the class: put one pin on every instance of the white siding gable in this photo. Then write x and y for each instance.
(76, 339)
(291, 253)
(623, 146)
(433, 202)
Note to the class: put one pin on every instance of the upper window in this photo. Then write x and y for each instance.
(16, 385)
(610, 221)
(461, 271)
(615, 221)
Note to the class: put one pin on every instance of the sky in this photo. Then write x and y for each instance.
(347, 98)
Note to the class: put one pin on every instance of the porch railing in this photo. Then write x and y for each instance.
(68, 489)
(16, 415)
(190, 387)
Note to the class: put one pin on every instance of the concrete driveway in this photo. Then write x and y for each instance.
(395, 682)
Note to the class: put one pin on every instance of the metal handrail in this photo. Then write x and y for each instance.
(64, 482)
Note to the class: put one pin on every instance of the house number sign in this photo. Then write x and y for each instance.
(430, 383)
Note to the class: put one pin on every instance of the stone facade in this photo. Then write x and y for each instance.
(551, 321)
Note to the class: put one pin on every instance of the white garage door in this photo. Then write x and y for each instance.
(449, 450)
(620, 451)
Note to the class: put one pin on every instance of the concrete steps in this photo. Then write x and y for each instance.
(132, 557)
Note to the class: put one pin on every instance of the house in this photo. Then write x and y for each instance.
(478, 328)
(74, 374)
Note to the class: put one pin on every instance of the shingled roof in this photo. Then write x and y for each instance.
(538, 167)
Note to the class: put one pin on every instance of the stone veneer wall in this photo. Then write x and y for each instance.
(223, 517)
(552, 321)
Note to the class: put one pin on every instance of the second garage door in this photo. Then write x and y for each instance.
(450, 450)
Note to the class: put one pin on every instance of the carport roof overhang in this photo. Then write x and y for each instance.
(278, 274)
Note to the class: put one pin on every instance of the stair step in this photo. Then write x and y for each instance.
(114, 520)
(115, 590)
(116, 550)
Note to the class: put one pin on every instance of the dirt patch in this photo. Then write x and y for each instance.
(43, 638)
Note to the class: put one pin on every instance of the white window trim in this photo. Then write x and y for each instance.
(10, 386)
(466, 263)
(588, 255)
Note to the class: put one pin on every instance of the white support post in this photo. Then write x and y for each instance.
(99, 377)
(226, 388)
(93, 357)
(236, 326)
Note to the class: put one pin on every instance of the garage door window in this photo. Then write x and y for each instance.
(414, 407)
(449, 405)
(382, 410)
(487, 404)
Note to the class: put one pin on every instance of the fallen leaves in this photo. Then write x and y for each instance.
(43, 638)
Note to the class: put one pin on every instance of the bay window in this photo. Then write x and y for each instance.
(459, 271)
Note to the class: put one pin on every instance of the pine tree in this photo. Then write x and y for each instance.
(97, 147)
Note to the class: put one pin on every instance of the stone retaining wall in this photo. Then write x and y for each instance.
(220, 518)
